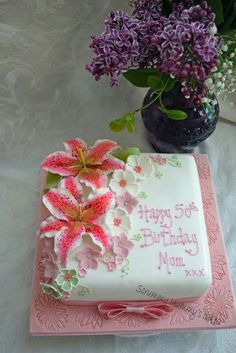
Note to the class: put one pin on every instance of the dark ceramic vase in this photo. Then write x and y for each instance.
(178, 136)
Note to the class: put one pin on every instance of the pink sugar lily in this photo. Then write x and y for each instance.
(89, 166)
(71, 218)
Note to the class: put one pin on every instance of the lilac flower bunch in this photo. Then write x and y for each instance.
(189, 48)
(117, 48)
(157, 50)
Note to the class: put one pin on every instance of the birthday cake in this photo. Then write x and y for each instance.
(122, 226)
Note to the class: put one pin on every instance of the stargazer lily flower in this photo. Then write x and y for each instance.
(89, 166)
(71, 218)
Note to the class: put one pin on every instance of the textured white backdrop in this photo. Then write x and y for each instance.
(46, 97)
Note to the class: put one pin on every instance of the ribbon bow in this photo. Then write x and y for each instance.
(150, 310)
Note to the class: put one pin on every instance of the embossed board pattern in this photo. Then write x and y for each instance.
(215, 310)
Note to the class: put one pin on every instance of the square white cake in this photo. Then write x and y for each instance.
(170, 255)
(139, 238)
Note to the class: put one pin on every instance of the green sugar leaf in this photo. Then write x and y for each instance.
(52, 181)
(124, 154)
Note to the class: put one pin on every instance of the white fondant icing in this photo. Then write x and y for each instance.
(170, 256)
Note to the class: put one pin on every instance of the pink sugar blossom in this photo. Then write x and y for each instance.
(48, 248)
(87, 259)
(121, 245)
(111, 266)
(89, 166)
(110, 260)
(117, 253)
(119, 259)
(158, 159)
(127, 202)
(50, 268)
(82, 272)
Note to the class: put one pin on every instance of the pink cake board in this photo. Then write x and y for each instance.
(215, 310)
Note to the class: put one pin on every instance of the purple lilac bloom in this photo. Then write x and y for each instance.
(195, 13)
(117, 48)
(147, 9)
(183, 5)
(188, 48)
(149, 51)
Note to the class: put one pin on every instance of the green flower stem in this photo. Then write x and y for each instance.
(128, 119)
(152, 101)
(147, 105)
(161, 104)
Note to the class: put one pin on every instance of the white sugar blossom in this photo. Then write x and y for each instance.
(141, 166)
(123, 181)
(117, 221)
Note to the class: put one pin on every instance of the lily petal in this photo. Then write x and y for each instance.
(98, 234)
(99, 151)
(74, 146)
(93, 178)
(60, 163)
(97, 207)
(61, 204)
(73, 186)
(50, 226)
(111, 164)
(67, 239)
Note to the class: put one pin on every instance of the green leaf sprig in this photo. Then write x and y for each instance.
(159, 84)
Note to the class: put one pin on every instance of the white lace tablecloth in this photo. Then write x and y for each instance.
(46, 97)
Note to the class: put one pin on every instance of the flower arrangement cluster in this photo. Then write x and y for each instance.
(163, 43)
(81, 207)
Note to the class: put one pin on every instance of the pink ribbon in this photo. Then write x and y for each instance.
(150, 310)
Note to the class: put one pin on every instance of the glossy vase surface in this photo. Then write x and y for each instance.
(178, 136)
